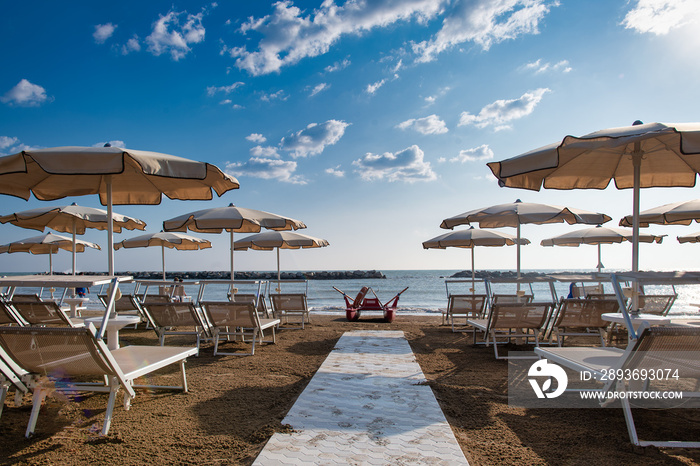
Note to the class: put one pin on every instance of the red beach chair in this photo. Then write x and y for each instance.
(361, 303)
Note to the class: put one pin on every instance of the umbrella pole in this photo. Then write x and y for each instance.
(279, 284)
(110, 227)
(637, 163)
(50, 263)
(231, 256)
(518, 252)
(600, 262)
(473, 273)
(162, 253)
(74, 246)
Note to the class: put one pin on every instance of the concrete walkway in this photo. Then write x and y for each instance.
(367, 404)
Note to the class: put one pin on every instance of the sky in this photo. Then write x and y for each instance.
(370, 121)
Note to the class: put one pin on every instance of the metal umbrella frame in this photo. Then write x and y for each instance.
(73, 219)
(48, 243)
(269, 240)
(598, 235)
(120, 177)
(170, 240)
(232, 219)
(471, 238)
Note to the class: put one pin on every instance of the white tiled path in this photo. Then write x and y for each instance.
(367, 404)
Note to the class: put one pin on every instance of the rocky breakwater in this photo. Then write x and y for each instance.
(316, 275)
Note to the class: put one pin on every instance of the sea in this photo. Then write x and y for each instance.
(426, 294)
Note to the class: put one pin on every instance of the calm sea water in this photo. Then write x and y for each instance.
(426, 294)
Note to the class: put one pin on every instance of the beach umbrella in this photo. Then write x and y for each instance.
(170, 240)
(517, 213)
(471, 238)
(48, 243)
(269, 240)
(598, 235)
(232, 219)
(691, 238)
(73, 219)
(120, 176)
(677, 213)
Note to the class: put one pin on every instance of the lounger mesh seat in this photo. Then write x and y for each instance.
(75, 356)
(176, 319)
(656, 304)
(127, 305)
(236, 319)
(290, 305)
(464, 306)
(46, 313)
(582, 317)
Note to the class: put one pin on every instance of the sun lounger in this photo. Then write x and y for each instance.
(286, 305)
(11, 376)
(228, 318)
(167, 318)
(30, 298)
(46, 313)
(516, 320)
(261, 306)
(128, 305)
(70, 354)
(8, 316)
(665, 348)
(656, 304)
(464, 306)
(581, 317)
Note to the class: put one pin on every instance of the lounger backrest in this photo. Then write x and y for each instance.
(470, 305)
(42, 313)
(519, 315)
(31, 298)
(173, 314)
(8, 316)
(230, 314)
(250, 297)
(656, 304)
(288, 302)
(585, 312)
(157, 298)
(511, 298)
(125, 303)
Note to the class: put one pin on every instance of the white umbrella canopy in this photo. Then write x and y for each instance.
(598, 235)
(232, 219)
(170, 240)
(517, 213)
(269, 240)
(120, 176)
(677, 213)
(48, 243)
(691, 238)
(73, 219)
(471, 238)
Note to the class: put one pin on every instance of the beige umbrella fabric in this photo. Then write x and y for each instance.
(48, 243)
(269, 240)
(73, 219)
(691, 238)
(518, 213)
(166, 239)
(597, 236)
(232, 219)
(471, 238)
(677, 213)
(120, 176)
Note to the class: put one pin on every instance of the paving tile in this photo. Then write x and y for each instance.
(365, 406)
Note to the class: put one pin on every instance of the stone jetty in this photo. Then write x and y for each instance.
(218, 275)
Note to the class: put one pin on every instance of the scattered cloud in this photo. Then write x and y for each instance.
(407, 165)
(483, 22)
(661, 16)
(337, 66)
(132, 45)
(279, 95)
(6, 141)
(314, 138)
(428, 125)
(211, 90)
(500, 112)
(432, 98)
(256, 137)
(372, 88)
(25, 94)
(538, 67)
(268, 169)
(266, 152)
(288, 36)
(476, 154)
(319, 88)
(11, 145)
(174, 32)
(335, 171)
(103, 32)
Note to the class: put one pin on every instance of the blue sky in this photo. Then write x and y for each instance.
(371, 121)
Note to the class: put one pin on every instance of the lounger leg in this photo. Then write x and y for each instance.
(110, 406)
(184, 376)
(37, 399)
(252, 349)
(3, 395)
(216, 340)
(631, 429)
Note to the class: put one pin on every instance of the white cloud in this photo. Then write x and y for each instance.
(372, 88)
(476, 154)
(661, 16)
(25, 94)
(132, 45)
(256, 137)
(407, 165)
(288, 36)
(169, 36)
(484, 22)
(6, 141)
(279, 95)
(226, 102)
(432, 98)
(211, 90)
(428, 125)
(268, 169)
(103, 32)
(337, 66)
(335, 171)
(314, 138)
(319, 88)
(500, 112)
(538, 67)
(268, 151)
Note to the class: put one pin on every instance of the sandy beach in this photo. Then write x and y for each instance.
(236, 403)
